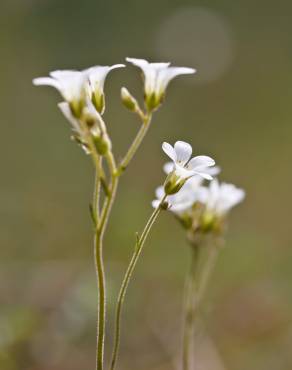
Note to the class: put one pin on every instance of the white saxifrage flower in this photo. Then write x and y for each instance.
(185, 167)
(91, 119)
(71, 85)
(212, 171)
(96, 77)
(156, 78)
(218, 199)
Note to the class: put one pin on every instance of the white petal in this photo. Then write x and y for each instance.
(213, 171)
(182, 172)
(181, 207)
(46, 81)
(60, 74)
(155, 203)
(204, 175)
(114, 66)
(203, 194)
(168, 167)
(183, 151)
(65, 109)
(159, 192)
(141, 63)
(169, 150)
(97, 74)
(194, 182)
(200, 162)
(166, 75)
(151, 73)
(72, 84)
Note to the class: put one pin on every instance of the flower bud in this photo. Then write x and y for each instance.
(128, 100)
(173, 183)
(102, 144)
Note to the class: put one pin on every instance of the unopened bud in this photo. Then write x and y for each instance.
(128, 100)
(102, 144)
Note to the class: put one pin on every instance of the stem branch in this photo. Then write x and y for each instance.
(137, 252)
(136, 143)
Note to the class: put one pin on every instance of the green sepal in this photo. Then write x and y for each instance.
(102, 146)
(99, 102)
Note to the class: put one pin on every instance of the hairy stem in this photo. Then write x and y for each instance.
(125, 283)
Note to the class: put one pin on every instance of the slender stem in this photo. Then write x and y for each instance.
(101, 300)
(125, 283)
(98, 251)
(96, 194)
(136, 143)
(188, 311)
(197, 280)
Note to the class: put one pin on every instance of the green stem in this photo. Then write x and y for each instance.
(137, 252)
(136, 143)
(96, 194)
(101, 300)
(189, 311)
(98, 251)
(197, 280)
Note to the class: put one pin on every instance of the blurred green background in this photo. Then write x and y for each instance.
(236, 109)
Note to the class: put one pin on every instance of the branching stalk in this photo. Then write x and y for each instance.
(102, 220)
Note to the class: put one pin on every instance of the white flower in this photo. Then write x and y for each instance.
(180, 202)
(183, 165)
(156, 78)
(196, 179)
(220, 198)
(96, 76)
(71, 85)
(90, 117)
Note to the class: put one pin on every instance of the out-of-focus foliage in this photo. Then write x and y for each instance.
(236, 109)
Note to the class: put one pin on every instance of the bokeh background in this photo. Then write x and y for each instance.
(236, 109)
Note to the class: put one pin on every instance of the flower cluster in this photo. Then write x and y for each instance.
(84, 103)
(84, 98)
(200, 208)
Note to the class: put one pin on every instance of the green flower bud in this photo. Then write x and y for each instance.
(102, 144)
(128, 100)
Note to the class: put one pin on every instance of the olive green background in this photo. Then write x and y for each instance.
(236, 109)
